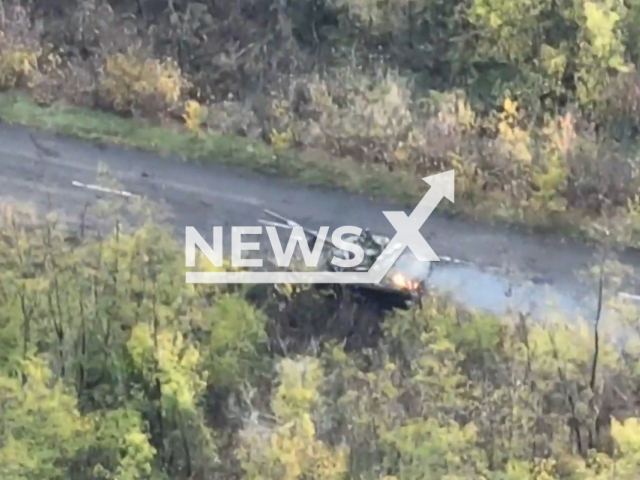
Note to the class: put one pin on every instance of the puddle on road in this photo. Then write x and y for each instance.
(571, 302)
(494, 292)
(497, 293)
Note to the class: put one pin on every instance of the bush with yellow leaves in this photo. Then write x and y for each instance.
(194, 115)
(289, 449)
(17, 64)
(19, 49)
(349, 113)
(132, 82)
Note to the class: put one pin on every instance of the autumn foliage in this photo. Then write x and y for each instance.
(533, 103)
(111, 367)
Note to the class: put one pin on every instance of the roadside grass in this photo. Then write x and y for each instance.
(312, 169)
(211, 147)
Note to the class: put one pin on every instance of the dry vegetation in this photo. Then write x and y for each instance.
(111, 367)
(535, 104)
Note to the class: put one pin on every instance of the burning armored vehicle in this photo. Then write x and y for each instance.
(400, 288)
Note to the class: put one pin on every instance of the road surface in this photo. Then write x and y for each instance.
(53, 173)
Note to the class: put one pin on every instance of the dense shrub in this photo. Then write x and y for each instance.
(129, 84)
(20, 49)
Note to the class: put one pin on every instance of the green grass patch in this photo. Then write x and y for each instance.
(315, 169)
(233, 151)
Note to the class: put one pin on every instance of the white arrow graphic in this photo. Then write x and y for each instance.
(408, 228)
(408, 235)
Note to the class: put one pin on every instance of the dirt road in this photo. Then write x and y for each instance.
(43, 172)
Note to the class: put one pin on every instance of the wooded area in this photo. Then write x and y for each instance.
(112, 368)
